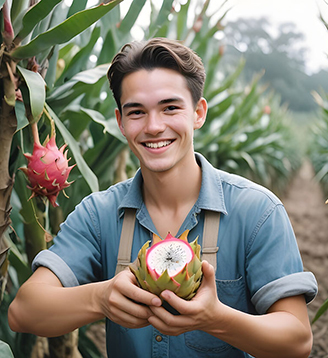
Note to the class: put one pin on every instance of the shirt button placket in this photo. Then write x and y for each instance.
(160, 345)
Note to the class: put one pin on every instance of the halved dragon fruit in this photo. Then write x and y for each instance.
(170, 264)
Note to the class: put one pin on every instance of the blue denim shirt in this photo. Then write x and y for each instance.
(258, 261)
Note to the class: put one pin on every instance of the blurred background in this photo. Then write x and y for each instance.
(267, 89)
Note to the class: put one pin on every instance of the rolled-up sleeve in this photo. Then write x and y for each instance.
(301, 283)
(53, 262)
(274, 265)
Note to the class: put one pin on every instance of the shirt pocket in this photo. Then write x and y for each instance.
(232, 293)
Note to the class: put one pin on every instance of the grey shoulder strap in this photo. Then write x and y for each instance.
(210, 238)
(125, 248)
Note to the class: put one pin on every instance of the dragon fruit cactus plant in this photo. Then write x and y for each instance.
(47, 169)
(170, 264)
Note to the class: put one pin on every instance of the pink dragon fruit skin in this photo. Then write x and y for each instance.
(171, 264)
(47, 170)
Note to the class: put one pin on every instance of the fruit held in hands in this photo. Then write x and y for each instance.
(170, 264)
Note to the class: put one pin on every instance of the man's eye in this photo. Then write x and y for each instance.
(135, 113)
(171, 108)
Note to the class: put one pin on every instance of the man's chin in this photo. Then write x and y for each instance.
(156, 167)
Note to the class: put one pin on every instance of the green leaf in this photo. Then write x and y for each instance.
(75, 120)
(77, 5)
(108, 49)
(50, 76)
(223, 105)
(65, 31)
(68, 52)
(17, 261)
(88, 77)
(182, 29)
(5, 350)
(162, 17)
(227, 83)
(110, 22)
(35, 14)
(37, 92)
(321, 311)
(80, 59)
(212, 70)
(321, 173)
(92, 76)
(87, 173)
(131, 16)
(1, 3)
(18, 9)
(22, 121)
(249, 160)
(110, 125)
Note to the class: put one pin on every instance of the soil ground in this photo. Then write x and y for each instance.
(305, 204)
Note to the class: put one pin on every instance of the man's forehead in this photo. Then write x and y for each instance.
(158, 86)
(160, 102)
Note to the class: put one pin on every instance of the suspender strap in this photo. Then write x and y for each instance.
(210, 237)
(125, 248)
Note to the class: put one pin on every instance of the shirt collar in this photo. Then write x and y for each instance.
(133, 198)
(210, 197)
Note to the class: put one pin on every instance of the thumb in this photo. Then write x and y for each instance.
(208, 273)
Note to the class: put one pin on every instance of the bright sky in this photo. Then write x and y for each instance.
(304, 13)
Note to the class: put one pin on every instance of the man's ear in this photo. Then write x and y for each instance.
(119, 121)
(200, 113)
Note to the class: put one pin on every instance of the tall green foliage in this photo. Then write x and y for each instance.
(32, 37)
(318, 150)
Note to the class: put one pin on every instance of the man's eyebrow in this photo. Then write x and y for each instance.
(131, 104)
(170, 100)
(163, 101)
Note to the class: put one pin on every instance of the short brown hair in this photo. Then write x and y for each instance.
(157, 53)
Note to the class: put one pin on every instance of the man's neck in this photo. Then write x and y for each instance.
(170, 195)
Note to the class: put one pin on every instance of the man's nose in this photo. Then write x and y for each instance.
(154, 123)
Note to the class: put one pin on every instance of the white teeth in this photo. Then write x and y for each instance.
(158, 144)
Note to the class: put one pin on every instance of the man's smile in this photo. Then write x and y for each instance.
(156, 145)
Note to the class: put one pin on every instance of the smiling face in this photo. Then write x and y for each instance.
(158, 118)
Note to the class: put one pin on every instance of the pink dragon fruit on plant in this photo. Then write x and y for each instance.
(47, 170)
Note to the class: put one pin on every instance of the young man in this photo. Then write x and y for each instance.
(255, 300)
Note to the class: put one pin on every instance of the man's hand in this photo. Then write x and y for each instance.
(125, 303)
(194, 314)
(283, 332)
(120, 299)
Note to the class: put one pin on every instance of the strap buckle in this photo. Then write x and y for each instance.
(123, 263)
(210, 250)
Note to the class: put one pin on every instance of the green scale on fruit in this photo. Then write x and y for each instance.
(170, 264)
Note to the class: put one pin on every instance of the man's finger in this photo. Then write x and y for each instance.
(135, 293)
(179, 304)
(144, 297)
(208, 270)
